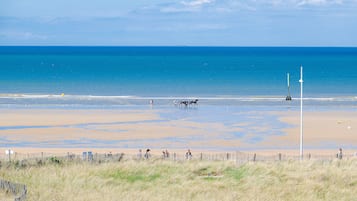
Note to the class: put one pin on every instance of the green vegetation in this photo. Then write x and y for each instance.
(186, 180)
(131, 176)
(237, 173)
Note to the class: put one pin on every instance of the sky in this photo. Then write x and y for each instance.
(179, 22)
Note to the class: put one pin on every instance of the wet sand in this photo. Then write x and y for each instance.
(62, 131)
(337, 128)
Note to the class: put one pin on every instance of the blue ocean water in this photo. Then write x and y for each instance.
(177, 71)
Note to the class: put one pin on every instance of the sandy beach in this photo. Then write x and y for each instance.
(335, 127)
(62, 131)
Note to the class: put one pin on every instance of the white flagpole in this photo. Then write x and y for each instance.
(301, 115)
(288, 97)
(288, 80)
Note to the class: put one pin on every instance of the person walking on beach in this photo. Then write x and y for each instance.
(339, 155)
(147, 154)
(188, 155)
(167, 154)
(140, 154)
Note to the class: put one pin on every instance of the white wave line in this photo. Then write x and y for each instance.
(129, 97)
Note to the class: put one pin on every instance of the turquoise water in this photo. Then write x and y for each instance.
(177, 71)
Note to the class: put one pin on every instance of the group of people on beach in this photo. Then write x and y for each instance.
(188, 155)
(165, 154)
(147, 154)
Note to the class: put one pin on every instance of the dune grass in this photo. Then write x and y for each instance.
(188, 180)
(6, 196)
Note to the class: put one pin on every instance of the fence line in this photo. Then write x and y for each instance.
(18, 190)
(238, 157)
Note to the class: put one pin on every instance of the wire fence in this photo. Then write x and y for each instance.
(22, 160)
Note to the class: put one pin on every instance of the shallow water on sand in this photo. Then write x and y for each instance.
(217, 127)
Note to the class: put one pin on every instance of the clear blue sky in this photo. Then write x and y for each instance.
(179, 22)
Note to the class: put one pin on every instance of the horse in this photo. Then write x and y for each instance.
(193, 102)
(186, 103)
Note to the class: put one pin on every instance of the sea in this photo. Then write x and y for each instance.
(114, 75)
(228, 82)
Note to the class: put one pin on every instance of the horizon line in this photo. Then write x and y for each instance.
(218, 46)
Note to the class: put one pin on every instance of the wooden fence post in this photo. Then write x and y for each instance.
(236, 157)
(254, 157)
(279, 156)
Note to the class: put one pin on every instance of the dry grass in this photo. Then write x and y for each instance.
(5, 196)
(188, 180)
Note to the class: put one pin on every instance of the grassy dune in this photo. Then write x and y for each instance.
(188, 180)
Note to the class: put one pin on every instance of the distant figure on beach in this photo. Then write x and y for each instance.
(140, 154)
(339, 155)
(188, 155)
(151, 102)
(167, 154)
(147, 154)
